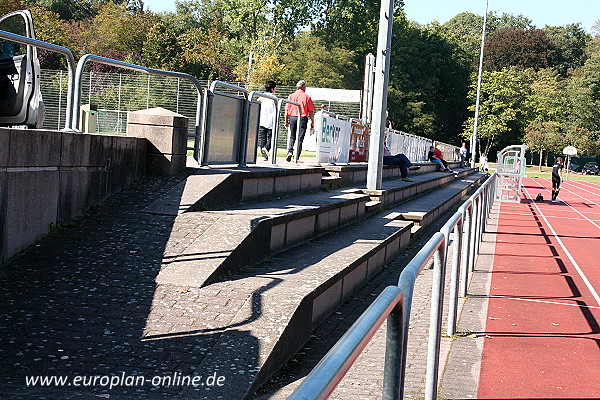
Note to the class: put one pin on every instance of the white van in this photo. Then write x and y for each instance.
(21, 103)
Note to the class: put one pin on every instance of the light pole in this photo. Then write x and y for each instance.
(474, 137)
(380, 94)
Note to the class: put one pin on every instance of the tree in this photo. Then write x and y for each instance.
(309, 58)
(584, 96)
(519, 48)
(161, 49)
(503, 108)
(49, 28)
(428, 83)
(570, 42)
(68, 9)
(7, 6)
(111, 31)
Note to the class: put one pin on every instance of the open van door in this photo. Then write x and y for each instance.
(20, 97)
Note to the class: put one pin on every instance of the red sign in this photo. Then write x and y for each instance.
(359, 143)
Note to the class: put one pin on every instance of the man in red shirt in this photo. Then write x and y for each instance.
(291, 117)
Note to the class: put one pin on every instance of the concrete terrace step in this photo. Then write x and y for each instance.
(356, 173)
(426, 208)
(218, 188)
(289, 294)
(245, 234)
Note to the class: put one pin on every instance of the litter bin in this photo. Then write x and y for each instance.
(89, 118)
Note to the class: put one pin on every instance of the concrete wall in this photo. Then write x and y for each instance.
(48, 177)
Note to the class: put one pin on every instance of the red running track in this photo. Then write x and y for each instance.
(543, 327)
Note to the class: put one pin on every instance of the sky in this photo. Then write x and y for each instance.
(542, 12)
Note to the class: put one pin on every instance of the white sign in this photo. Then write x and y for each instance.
(334, 140)
(570, 151)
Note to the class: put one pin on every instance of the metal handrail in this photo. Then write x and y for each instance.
(215, 84)
(57, 49)
(395, 302)
(133, 67)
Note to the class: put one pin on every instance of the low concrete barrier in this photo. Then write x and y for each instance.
(48, 177)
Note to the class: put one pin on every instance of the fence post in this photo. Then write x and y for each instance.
(435, 323)
(454, 279)
(394, 352)
(466, 250)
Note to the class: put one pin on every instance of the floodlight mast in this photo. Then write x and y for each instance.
(476, 124)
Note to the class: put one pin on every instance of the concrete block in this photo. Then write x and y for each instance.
(123, 163)
(165, 165)
(161, 139)
(266, 186)
(31, 206)
(300, 229)
(277, 237)
(294, 183)
(34, 148)
(157, 116)
(324, 303)
(375, 263)
(249, 188)
(310, 181)
(80, 189)
(75, 149)
(100, 146)
(354, 279)
(3, 196)
(327, 220)
(348, 213)
(282, 184)
(391, 250)
(4, 146)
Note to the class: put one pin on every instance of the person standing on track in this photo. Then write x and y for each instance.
(556, 177)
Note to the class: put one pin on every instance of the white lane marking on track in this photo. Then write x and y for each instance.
(544, 301)
(585, 190)
(588, 185)
(577, 267)
(577, 211)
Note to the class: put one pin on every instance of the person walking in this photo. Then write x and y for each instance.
(399, 160)
(463, 155)
(292, 119)
(268, 112)
(557, 177)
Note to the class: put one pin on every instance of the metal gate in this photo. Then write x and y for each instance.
(511, 169)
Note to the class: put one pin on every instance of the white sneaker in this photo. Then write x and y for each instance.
(265, 154)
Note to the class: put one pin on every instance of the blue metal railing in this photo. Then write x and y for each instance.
(394, 303)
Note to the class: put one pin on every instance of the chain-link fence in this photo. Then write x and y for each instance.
(115, 94)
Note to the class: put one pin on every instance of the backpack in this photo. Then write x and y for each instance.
(539, 197)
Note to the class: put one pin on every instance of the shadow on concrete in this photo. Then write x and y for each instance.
(83, 304)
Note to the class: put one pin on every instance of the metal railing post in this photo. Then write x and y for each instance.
(394, 344)
(435, 323)
(454, 278)
(473, 236)
(466, 249)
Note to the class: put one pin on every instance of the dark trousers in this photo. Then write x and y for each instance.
(399, 160)
(555, 186)
(293, 129)
(264, 138)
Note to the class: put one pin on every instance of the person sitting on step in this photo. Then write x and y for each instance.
(399, 160)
